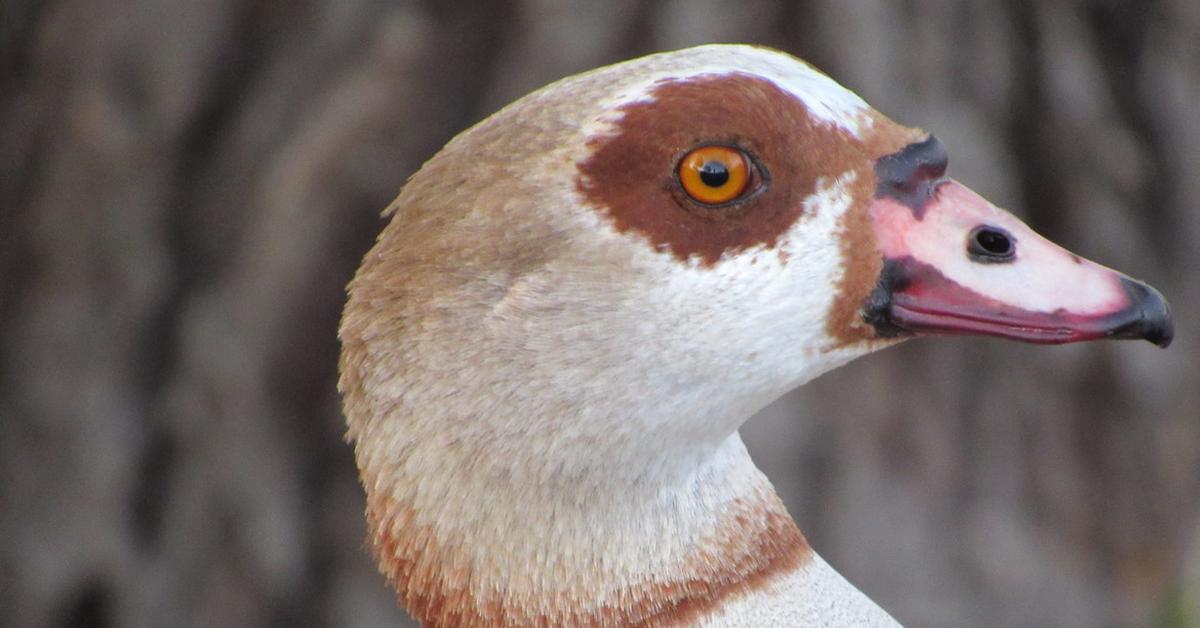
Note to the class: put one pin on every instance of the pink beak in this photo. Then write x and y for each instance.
(956, 264)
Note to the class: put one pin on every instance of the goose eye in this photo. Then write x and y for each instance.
(715, 175)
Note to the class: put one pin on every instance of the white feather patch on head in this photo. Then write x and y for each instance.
(825, 99)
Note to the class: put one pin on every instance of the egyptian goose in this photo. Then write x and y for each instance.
(548, 352)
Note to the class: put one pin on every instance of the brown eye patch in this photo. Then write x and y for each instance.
(632, 174)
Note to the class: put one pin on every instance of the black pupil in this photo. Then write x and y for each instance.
(714, 174)
(993, 242)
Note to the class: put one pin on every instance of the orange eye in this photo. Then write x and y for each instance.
(715, 175)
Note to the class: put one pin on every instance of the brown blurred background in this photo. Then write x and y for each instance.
(187, 185)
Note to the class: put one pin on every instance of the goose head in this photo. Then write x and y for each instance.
(578, 301)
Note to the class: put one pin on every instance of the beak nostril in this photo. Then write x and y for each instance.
(990, 245)
(993, 242)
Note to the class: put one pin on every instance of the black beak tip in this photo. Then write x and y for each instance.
(1152, 320)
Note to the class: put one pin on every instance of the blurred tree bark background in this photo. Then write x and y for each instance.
(188, 185)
